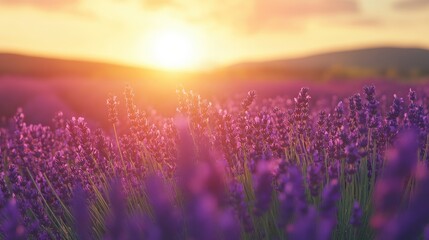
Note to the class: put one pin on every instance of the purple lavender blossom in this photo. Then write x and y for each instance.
(426, 233)
(388, 193)
(315, 178)
(112, 105)
(81, 214)
(292, 197)
(263, 180)
(11, 222)
(356, 217)
(167, 217)
(328, 209)
(116, 220)
(213, 175)
(410, 222)
(305, 226)
(239, 203)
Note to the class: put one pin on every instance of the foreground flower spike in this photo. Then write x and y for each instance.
(81, 214)
(166, 216)
(292, 196)
(328, 209)
(305, 226)
(426, 233)
(116, 219)
(410, 223)
(11, 225)
(389, 190)
(356, 217)
(314, 176)
(263, 187)
(239, 203)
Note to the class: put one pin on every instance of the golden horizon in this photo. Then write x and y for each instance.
(187, 35)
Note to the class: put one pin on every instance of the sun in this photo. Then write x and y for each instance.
(173, 49)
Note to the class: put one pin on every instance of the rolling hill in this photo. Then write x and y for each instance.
(34, 66)
(382, 61)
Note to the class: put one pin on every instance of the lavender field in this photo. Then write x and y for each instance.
(214, 120)
(243, 168)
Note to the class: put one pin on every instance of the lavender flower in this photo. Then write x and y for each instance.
(426, 233)
(81, 214)
(328, 210)
(389, 190)
(231, 170)
(112, 105)
(301, 113)
(11, 223)
(314, 176)
(167, 218)
(356, 217)
(292, 196)
(116, 220)
(263, 187)
(371, 107)
(305, 227)
(410, 223)
(238, 202)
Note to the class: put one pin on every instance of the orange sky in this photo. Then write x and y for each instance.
(209, 32)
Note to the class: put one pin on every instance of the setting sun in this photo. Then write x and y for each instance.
(173, 49)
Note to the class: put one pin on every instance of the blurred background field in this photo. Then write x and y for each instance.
(43, 86)
(69, 54)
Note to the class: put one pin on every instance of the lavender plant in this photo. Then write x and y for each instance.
(252, 169)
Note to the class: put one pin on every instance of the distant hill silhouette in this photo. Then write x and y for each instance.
(369, 62)
(33, 66)
(382, 61)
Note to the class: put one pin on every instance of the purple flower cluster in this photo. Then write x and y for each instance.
(247, 169)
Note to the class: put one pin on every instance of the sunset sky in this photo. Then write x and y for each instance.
(194, 34)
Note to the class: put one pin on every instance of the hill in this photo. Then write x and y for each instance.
(34, 66)
(375, 62)
(368, 62)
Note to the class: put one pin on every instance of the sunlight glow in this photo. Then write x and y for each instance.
(173, 49)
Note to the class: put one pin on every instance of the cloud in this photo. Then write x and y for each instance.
(158, 4)
(254, 14)
(366, 22)
(411, 4)
(231, 12)
(47, 4)
(281, 13)
(64, 6)
(304, 8)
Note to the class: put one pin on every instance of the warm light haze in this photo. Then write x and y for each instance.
(172, 49)
(193, 35)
